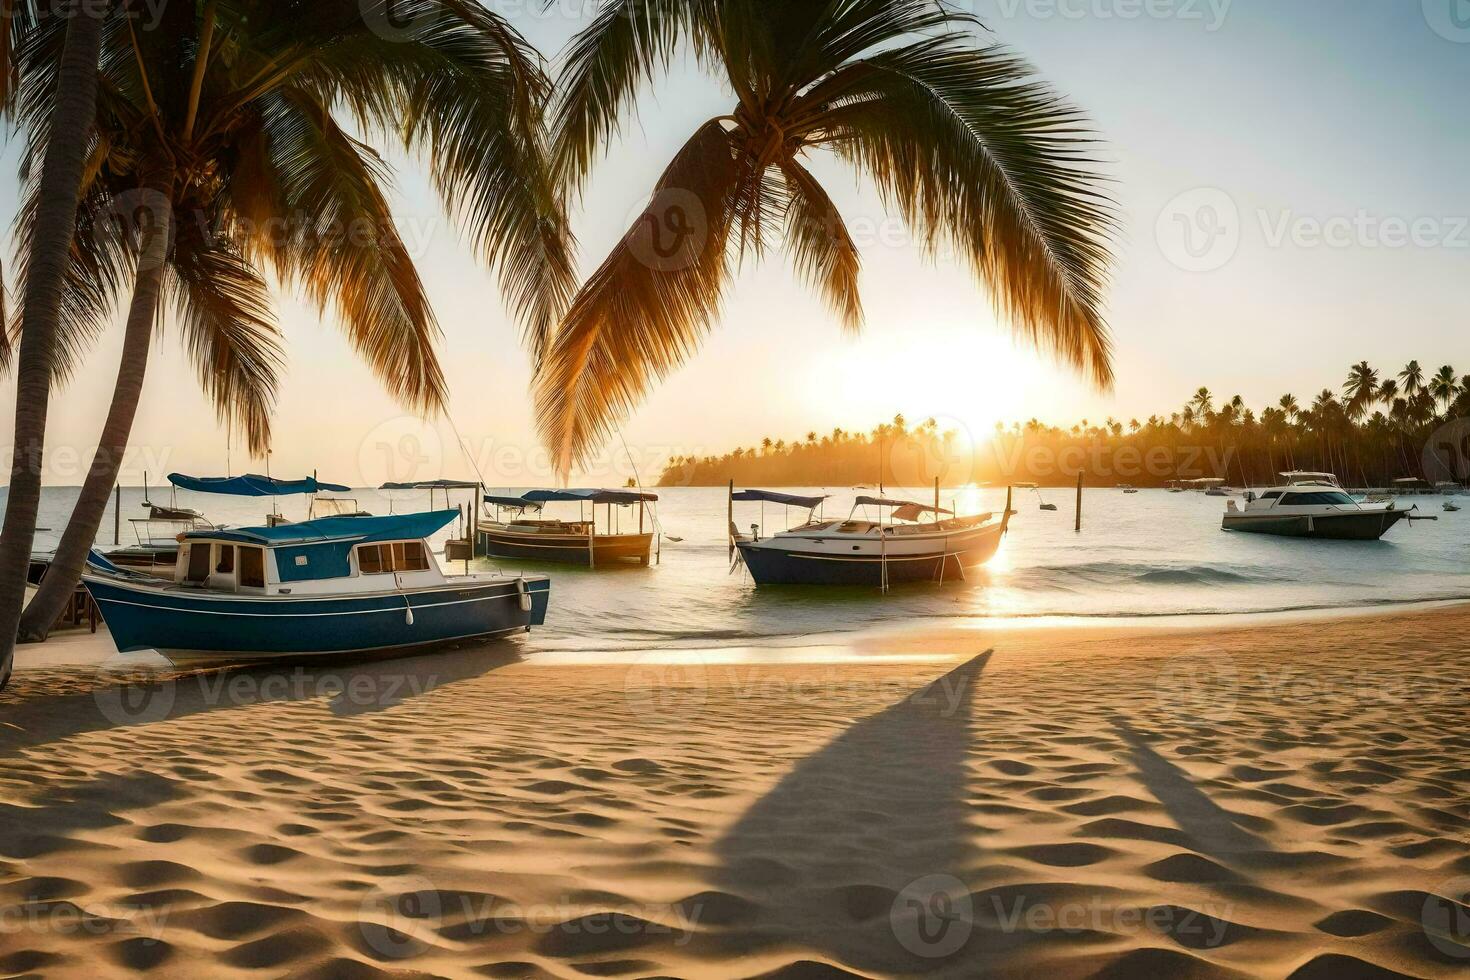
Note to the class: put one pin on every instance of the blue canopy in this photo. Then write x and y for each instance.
(771, 496)
(520, 502)
(431, 485)
(251, 485)
(397, 527)
(595, 496)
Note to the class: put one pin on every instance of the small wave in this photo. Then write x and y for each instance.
(1130, 572)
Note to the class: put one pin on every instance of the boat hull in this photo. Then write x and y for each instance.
(1359, 526)
(779, 562)
(184, 623)
(567, 549)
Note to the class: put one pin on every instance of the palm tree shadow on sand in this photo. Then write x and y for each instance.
(825, 855)
(1215, 831)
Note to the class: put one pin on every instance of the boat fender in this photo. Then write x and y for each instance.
(407, 612)
(525, 594)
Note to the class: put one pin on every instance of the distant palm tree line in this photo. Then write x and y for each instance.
(1376, 428)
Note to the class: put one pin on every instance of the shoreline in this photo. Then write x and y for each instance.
(863, 644)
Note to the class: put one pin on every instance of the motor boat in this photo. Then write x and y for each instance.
(854, 551)
(579, 542)
(1451, 506)
(1313, 505)
(335, 585)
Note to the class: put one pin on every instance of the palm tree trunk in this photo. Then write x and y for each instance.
(81, 531)
(72, 119)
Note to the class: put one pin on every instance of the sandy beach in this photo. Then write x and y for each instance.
(1284, 799)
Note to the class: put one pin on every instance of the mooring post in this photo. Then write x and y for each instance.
(1079, 501)
(730, 518)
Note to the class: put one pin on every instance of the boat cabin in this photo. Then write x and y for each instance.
(330, 555)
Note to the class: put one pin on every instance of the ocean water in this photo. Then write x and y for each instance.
(1151, 554)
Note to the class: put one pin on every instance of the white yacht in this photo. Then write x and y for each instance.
(1312, 505)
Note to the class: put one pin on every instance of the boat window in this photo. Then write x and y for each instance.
(370, 559)
(402, 556)
(198, 563)
(1270, 494)
(252, 568)
(410, 557)
(1302, 499)
(226, 563)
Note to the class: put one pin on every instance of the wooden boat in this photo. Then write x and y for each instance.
(331, 586)
(460, 548)
(853, 551)
(578, 542)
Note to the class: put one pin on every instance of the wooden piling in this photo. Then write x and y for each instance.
(1079, 501)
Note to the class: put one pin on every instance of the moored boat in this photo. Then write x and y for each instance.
(854, 551)
(158, 534)
(1313, 505)
(578, 542)
(330, 586)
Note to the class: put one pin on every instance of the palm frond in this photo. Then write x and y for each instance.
(343, 248)
(979, 156)
(649, 305)
(625, 45)
(223, 309)
(824, 252)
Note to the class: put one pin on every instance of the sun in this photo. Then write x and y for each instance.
(966, 381)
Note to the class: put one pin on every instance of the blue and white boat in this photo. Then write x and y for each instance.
(852, 551)
(331, 586)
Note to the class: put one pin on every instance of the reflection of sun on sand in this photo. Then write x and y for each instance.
(1270, 801)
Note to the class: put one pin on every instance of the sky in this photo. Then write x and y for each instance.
(1291, 183)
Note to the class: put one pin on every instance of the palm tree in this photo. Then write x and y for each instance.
(224, 116)
(1204, 403)
(959, 138)
(1445, 385)
(1288, 404)
(1412, 379)
(1361, 388)
(71, 96)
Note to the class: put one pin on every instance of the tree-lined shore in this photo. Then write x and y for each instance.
(1377, 427)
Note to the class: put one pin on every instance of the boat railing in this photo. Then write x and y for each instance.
(159, 532)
